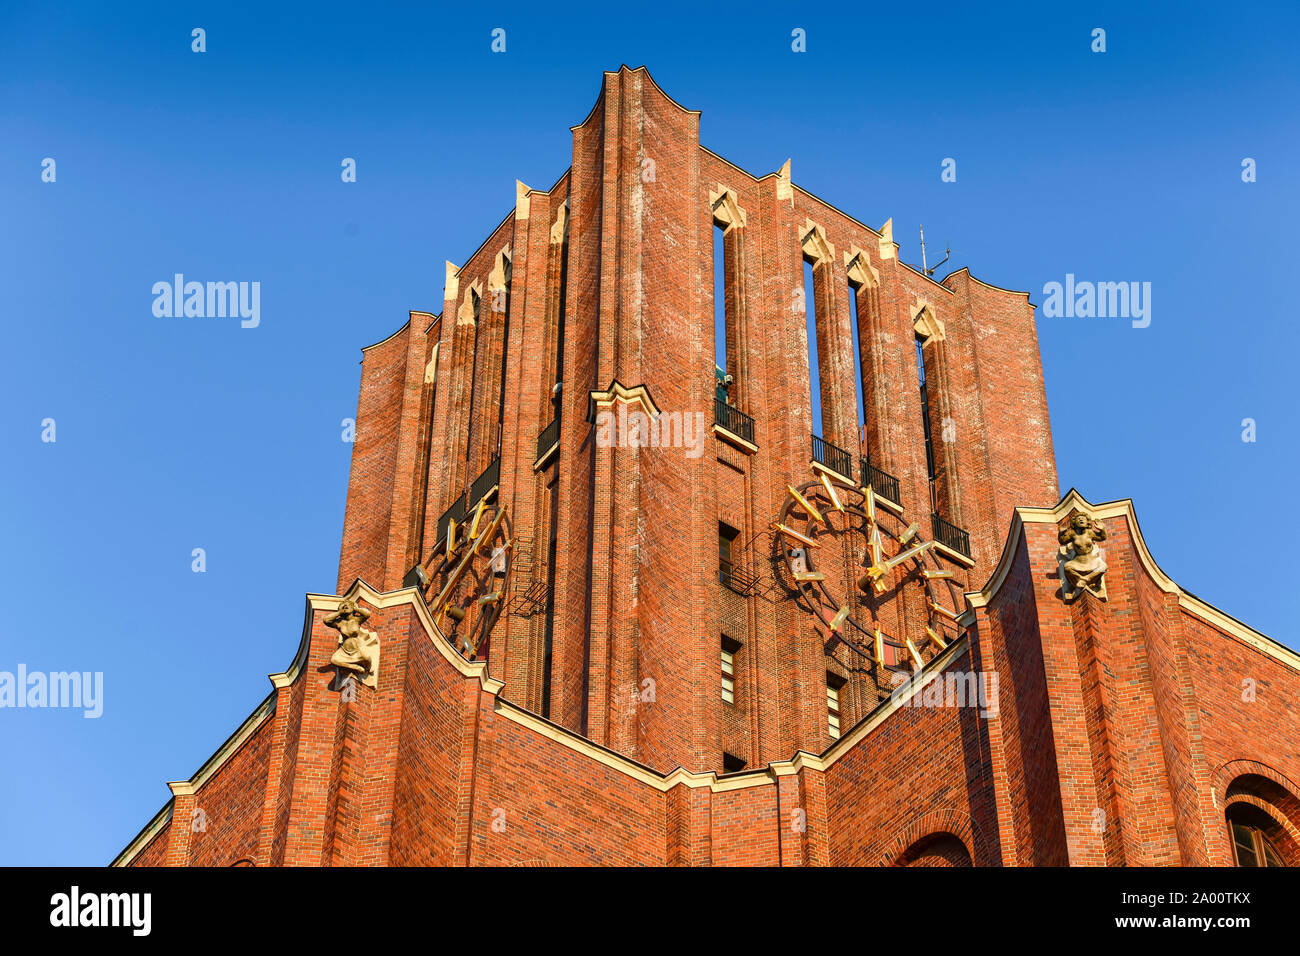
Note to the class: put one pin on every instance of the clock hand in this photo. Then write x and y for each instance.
(805, 504)
(911, 552)
(830, 492)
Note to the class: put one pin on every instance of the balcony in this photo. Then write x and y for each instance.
(835, 459)
(881, 482)
(733, 421)
(950, 536)
(737, 578)
(455, 513)
(548, 440)
(485, 483)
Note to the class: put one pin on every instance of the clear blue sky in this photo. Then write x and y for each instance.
(177, 434)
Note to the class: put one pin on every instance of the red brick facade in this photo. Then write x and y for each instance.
(1116, 732)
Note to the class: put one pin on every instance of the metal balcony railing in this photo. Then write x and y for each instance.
(455, 513)
(950, 536)
(733, 420)
(737, 578)
(836, 459)
(881, 482)
(484, 483)
(547, 439)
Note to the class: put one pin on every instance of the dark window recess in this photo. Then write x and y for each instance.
(730, 571)
(730, 648)
(732, 763)
(925, 420)
(834, 684)
(726, 547)
(1251, 847)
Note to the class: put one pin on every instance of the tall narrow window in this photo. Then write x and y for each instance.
(834, 683)
(814, 368)
(857, 363)
(925, 422)
(730, 648)
(719, 298)
(726, 546)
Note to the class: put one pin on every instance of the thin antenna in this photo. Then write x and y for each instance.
(947, 252)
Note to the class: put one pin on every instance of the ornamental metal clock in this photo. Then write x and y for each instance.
(464, 581)
(873, 583)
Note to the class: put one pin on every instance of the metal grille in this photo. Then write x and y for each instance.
(881, 482)
(455, 512)
(733, 420)
(950, 536)
(836, 459)
(485, 482)
(547, 439)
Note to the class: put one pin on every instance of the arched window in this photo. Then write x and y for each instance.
(1249, 828)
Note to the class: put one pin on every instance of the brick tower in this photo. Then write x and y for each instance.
(600, 292)
(628, 577)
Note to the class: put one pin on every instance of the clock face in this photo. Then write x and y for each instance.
(466, 578)
(873, 584)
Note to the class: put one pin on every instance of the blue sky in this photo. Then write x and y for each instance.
(179, 434)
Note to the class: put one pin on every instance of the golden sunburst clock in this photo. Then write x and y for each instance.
(851, 562)
(464, 581)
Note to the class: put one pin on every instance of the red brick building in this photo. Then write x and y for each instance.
(609, 594)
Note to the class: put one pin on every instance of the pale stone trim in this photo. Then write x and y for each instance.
(1124, 509)
(784, 185)
(547, 455)
(465, 314)
(560, 228)
(952, 555)
(925, 323)
(145, 836)
(757, 777)
(726, 208)
(732, 438)
(478, 669)
(834, 475)
(888, 247)
(860, 269)
(431, 369)
(451, 286)
(618, 392)
(522, 202)
(816, 246)
(499, 276)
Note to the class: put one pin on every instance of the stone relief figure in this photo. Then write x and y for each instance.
(1080, 559)
(358, 651)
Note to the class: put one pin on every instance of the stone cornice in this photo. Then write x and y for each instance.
(1124, 509)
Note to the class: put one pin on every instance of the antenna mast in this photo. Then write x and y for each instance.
(924, 268)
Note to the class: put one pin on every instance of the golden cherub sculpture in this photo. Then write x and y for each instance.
(358, 651)
(1080, 559)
